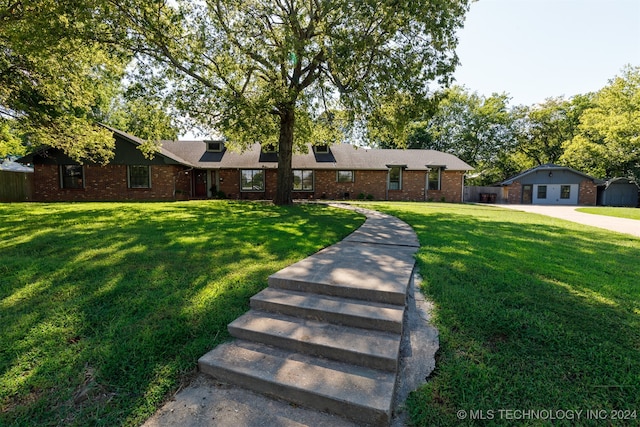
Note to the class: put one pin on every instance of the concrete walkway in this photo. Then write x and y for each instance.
(391, 242)
(569, 213)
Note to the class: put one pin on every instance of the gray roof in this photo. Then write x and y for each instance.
(340, 157)
(545, 167)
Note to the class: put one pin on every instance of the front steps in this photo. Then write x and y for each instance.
(326, 333)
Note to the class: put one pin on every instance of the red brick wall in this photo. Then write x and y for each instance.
(587, 193)
(450, 187)
(374, 183)
(109, 182)
(515, 193)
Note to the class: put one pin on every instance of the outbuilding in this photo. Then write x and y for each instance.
(551, 184)
(618, 192)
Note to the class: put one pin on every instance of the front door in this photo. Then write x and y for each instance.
(200, 185)
(527, 194)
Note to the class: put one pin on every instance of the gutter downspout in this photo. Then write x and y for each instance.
(426, 185)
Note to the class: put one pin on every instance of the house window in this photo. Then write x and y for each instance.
(139, 176)
(323, 149)
(252, 180)
(565, 191)
(395, 178)
(434, 179)
(214, 146)
(72, 176)
(542, 191)
(345, 176)
(302, 180)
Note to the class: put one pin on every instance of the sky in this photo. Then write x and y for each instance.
(537, 49)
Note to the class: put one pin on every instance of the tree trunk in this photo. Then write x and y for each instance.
(284, 187)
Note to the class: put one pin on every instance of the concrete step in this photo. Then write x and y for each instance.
(364, 347)
(361, 394)
(372, 272)
(349, 312)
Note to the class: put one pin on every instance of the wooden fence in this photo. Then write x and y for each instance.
(16, 186)
(486, 194)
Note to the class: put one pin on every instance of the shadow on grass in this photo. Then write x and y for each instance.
(533, 314)
(106, 307)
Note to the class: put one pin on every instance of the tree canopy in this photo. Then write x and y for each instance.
(597, 133)
(608, 140)
(59, 64)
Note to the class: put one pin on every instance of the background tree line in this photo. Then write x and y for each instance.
(596, 133)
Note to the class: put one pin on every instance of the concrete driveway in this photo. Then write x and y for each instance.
(621, 225)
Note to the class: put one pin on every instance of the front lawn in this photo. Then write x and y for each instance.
(631, 213)
(106, 307)
(534, 314)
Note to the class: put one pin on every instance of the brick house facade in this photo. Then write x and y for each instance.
(204, 169)
(109, 182)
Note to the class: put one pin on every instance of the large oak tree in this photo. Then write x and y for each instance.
(288, 72)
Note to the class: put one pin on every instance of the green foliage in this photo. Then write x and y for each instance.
(608, 142)
(106, 307)
(55, 74)
(532, 312)
(597, 133)
(477, 129)
(144, 118)
(545, 129)
(10, 142)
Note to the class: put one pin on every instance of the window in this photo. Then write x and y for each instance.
(565, 191)
(345, 176)
(395, 178)
(214, 146)
(542, 191)
(323, 149)
(252, 180)
(434, 179)
(72, 176)
(139, 177)
(302, 180)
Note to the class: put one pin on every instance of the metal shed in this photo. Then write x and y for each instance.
(618, 192)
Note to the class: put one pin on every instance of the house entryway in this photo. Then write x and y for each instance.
(527, 194)
(200, 184)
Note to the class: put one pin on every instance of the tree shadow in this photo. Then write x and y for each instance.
(133, 295)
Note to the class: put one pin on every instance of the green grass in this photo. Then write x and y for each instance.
(631, 213)
(533, 313)
(105, 308)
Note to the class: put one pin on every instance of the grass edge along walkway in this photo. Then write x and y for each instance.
(106, 307)
(534, 314)
(629, 213)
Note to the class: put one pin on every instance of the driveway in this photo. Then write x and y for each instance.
(621, 225)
